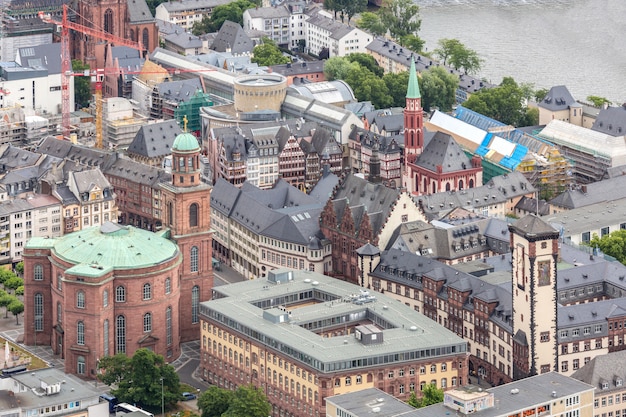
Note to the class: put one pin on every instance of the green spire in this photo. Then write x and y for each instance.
(414, 89)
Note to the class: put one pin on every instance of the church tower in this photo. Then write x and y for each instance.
(534, 250)
(186, 202)
(413, 128)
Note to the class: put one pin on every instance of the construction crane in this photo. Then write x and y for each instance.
(66, 67)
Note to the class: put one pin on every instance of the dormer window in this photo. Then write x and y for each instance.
(605, 385)
(618, 382)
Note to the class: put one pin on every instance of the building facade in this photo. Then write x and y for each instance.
(370, 341)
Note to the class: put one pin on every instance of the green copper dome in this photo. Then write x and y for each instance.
(111, 246)
(185, 142)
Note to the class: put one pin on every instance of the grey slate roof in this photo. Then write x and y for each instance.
(13, 157)
(137, 172)
(184, 40)
(179, 91)
(606, 369)
(323, 190)
(139, 12)
(445, 152)
(86, 180)
(42, 56)
(295, 69)
(336, 29)
(531, 225)
(585, 195)
(531, 205)
(364, 197)
(156, 139)
(283, 212)
(590, 313)
(167, 28)
(558, 98)
(231, 37)
(269, 12)
(611, 121)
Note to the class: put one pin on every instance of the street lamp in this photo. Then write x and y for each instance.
(162, 400)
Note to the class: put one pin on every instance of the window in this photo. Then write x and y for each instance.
(586, 237)
(168, 285)
(120, 334)
(80, 365)
(195, 303)
(38, 273)
(193, 260)
(348, 381)
(444, 367)
(59, 312)
(105, 298)
(575, 364)
(193, 215)
(168, 325)
(105, 338)
(120, 294)
(147, 322)
(80, 299)
(444, 383)
(80, 333)
(147, 291)
(433, 369)
(38, 307)
(60, 282)
(564, 366)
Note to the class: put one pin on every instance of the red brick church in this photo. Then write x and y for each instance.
(128, 19)
(112, 289)
(441, 165)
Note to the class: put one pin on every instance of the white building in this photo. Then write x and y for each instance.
(273, 21)
(322, 31)
(186, 12)
(33, 81)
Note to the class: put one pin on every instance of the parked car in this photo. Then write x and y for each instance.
(188, 396)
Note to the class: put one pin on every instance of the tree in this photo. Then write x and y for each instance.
(5, 275)
(598, 101)
(338, 68)
(438, 88)
(541, 94)
(413, 42)
(19, 268)
(82, 85)
(353, 7)
(458, 56)
(503, 103)
(397, 86)
(13, 283)
(413, 400)
(401, 17)
(370, 22)
(431, 395)
(19, 290)
(231, 11)
(613, 244)
(248, 401)
(5, 301)
(214, 401)
(333, 5)
(16, 307)
(137, 379)
(366, 61)
(368, 87)
(267, 54)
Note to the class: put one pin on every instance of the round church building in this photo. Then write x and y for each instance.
(101, 291)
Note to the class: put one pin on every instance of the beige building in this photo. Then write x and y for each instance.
(302, 337)
(606, 375)
(96, 196)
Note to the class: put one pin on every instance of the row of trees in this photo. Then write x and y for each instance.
(9, 296)
(232, 11)
(362, 73)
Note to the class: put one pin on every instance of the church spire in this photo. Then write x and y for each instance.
(413, 91)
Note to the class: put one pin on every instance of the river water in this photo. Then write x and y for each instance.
(577, 43)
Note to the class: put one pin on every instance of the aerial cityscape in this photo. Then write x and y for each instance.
(295, 208)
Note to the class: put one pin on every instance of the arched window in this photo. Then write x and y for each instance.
(147, 322)
(195, 303)
(120, 294)
(460, 184)
(168, 325)
(105, 298)
(120, 334)
(193, 215)
(80, 365)
(170, 213)
(471, 183)
(447, 186)
(193, 261)
(105, 338)
(80, 333)
(38, 307)
(59, 313)
(168, 285)
(108, 21)
(132, 35)
(38, 273)
(60, 282)
(145, 39)
(80, 299)
(147, 291)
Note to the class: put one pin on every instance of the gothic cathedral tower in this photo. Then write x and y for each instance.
(534, 249)
(413, 126)
(187, 214)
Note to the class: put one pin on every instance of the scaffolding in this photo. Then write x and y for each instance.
(190, 110)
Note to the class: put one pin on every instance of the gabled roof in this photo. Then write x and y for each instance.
(558, 98)
(179, 91)
(155, 140)
(532, 225)
(443, 151)
(609, 369)
(231, 37)
(139, 12)
(85, 181)
(611, 121)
